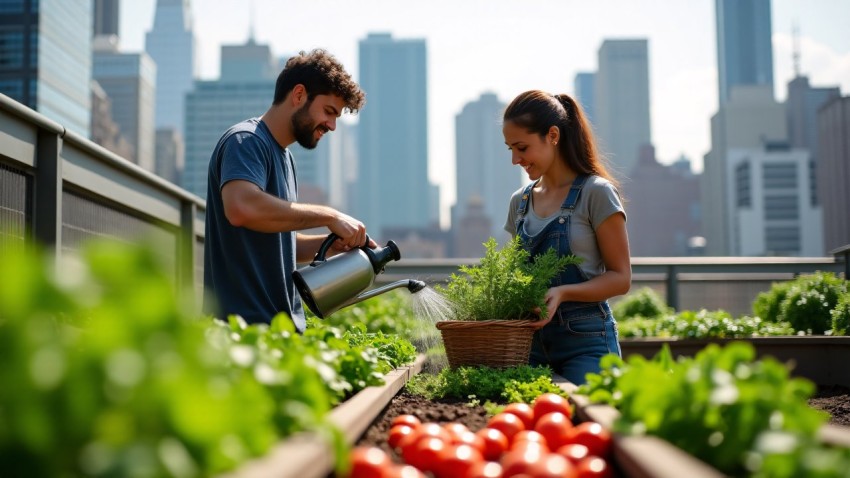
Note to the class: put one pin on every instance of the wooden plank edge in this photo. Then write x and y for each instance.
(308, 455)
(638, 456)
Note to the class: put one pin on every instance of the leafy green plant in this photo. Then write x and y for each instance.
(767, 305)
(810, 299)
(715, 405)
(506, 284)
(644, 302)
(703, 324)
(522, 382)
(107, 373)
(841, 316)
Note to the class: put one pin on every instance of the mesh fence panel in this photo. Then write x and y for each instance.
(14, 194)
(84, 219)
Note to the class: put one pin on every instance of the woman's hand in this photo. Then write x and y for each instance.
(553, 298)
(539, 324)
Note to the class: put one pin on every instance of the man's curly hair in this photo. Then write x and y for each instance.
(321, 74)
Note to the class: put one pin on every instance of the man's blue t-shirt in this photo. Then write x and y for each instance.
(246, 272)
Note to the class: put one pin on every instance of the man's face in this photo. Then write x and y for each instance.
(315, 118)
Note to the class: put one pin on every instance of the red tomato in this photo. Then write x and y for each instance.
(551, 402)
(495, 443)
(397, 434)
(574, 452)
(410, 420)
(594, 467)
(471, 439)
(528, 436)
(425, 453)
(555, 427)
(507, 423)
(553, 465)
(486, 469)
(422, 431)
(457, 461)
(521, 460)
(369, 462)
(592, 435)
(404, 471)
(455, 429)
(523, 411)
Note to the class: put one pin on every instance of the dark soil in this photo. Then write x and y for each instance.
(834, 400)
(442, 411)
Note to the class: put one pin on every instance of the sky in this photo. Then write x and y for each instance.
(509, 46)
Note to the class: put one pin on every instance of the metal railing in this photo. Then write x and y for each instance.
(60, 189)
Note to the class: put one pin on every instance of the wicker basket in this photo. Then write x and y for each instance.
(490, 343)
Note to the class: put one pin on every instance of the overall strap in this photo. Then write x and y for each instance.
(575, 190)
(523, 201)
(522, 208)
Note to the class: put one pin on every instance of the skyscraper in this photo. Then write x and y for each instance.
(663, 207)
(621, 105)
(584, 92)
(105, 16)
(215, 105)
(834, 171)
(171, 44)
(45, 46)
(748, 120)
(771, 211)
(128, 79)
(484, 172)
(801, 108)
(744, 53)
(392, 185)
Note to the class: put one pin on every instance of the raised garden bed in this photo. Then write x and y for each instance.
(821, 359)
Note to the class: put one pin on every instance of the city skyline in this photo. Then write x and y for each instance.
(465, 63)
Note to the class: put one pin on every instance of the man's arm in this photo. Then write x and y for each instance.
(246, 205)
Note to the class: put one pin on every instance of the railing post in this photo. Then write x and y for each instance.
(47, 198)
(186, 251)
(672, 287)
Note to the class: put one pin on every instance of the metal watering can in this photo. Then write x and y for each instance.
(327, 285)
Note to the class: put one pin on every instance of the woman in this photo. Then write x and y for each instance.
(572, 205)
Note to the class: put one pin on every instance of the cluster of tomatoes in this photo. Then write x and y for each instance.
(528, 441)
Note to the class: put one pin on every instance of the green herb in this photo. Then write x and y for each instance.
(506, 284)
(521, 383)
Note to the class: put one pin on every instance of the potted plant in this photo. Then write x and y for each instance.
(496, 303)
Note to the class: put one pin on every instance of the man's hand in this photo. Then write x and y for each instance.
(351, 232)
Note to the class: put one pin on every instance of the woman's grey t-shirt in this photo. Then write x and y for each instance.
(599, 199)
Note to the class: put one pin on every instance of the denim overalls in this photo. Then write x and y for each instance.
(581, 332)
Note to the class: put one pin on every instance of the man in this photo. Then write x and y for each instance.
(251, 247)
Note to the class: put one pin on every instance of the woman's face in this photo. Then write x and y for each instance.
(535, 154)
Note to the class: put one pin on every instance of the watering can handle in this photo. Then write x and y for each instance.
(326, 244)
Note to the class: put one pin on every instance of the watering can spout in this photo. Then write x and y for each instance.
(327, 285)
(412, 285)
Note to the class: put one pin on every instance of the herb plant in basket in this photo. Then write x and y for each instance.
(496, 304)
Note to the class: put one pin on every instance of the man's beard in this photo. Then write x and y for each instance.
(304, 128)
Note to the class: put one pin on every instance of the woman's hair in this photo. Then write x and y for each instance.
(537, 111)
(321, 74)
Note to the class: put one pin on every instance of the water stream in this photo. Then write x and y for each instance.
(430, 307)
